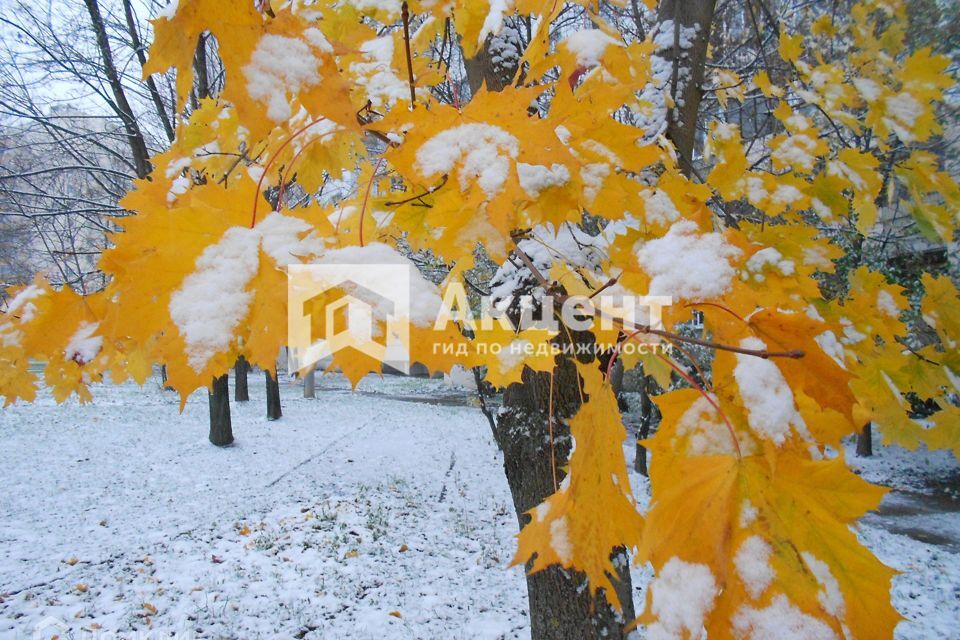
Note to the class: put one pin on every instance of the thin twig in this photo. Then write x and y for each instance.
(419, 196)
(606, 285)
(639, 328)
(405, 14)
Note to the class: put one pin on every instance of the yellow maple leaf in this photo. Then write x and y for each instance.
(506, 352)
(791, 46)
(579, 526)
(749, 537)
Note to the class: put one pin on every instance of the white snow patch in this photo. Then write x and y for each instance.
(850, 333)
(832, 347)
(383, 86)
(513, 354)
(589, 46)
(169, 11)
(830, 597)
(178, 187)
(667, 36)
(560, 540)
(753, 565)
(390, 7)
(688, 265)
(683, 594)
(766, 395)
(781, 620)
(83, 345)
(484, 152)
(797, 152)
(903, 111)
(844, 171)
(541, 511)
(707, 433)
(786, 194)
(887, 304)
(280, 65)
(756, 192)
(213, 300)
(658, 207)
(535, 178)
(21, 305)
(287, 239)
(764, 258)
(493, 22)
(593, 175)
(318, 40)
(867, 88)
(815, 257)
(748, 513)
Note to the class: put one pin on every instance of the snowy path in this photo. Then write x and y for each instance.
(355, 516)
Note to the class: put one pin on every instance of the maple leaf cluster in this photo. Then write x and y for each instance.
(751, 501)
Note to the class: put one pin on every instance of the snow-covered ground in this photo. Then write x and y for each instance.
(362, 515)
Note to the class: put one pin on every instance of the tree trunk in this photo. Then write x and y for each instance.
(138, 145)
(202, 84)
(560, 608)
(221, 431)
(865, 441)
(688, 70)
(273, 396)
(241, 391)
(643, 430)
(310, 384)
(141, 52)
(481, 71)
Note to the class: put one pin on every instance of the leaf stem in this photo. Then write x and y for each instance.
(366, 197)
(270, 161)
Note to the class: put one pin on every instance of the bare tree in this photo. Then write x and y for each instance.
(78, 125)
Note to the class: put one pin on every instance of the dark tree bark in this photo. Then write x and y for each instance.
(865, 441)
(274, 411)
(689, 66)
(480, 71)
(221, 430)
(310, 384)
(561, 608)
(649, 416)
(202, 83)
(141, 51)
(138, 145)
(241, 392)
